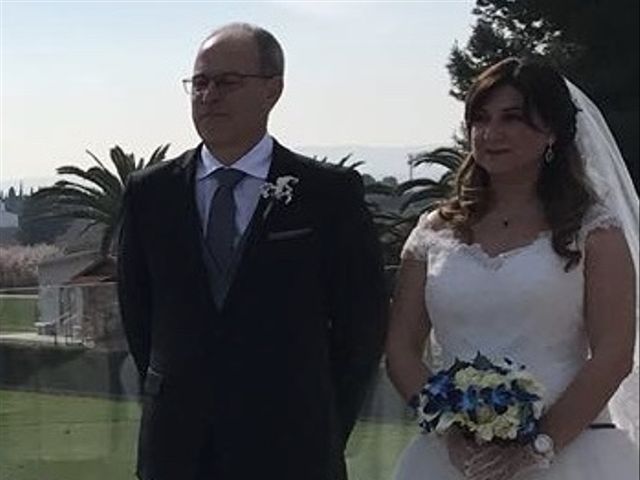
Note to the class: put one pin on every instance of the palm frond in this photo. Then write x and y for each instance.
(380, 189)
(419, 182)
(95, 193)
(95, 159)
(450, 158)
(158, 154)
(125, 164)
(103, 178)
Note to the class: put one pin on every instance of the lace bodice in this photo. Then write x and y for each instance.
(520, 304)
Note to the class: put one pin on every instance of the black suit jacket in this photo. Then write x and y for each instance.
(270, 384)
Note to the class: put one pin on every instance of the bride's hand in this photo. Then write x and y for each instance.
(496, 462)
(461, 450)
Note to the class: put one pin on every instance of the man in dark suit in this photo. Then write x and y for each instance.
(250, 286)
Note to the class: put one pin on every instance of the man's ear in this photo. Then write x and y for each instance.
(274, 89)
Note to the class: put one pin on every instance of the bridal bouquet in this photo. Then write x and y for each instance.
(491, 402)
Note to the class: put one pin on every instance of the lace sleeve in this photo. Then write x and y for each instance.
(597, 217)
(417, 244)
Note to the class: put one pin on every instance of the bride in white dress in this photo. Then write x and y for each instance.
(526, 261)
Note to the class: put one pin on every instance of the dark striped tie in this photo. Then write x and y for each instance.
(221, 226)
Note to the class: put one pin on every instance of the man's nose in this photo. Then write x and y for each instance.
(210, 93)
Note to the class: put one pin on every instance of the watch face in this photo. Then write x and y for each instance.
(543, 444)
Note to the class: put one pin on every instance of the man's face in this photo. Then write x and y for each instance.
(233, 109)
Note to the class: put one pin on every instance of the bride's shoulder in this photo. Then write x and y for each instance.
(432, 221)
(599, 217)
(601, 231)
(427, 231)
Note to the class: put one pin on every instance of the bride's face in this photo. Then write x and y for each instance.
(503, 139)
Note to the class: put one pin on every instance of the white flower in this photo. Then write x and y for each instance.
(503, 426)
(470, 376)
(281, 190)
(446, 420)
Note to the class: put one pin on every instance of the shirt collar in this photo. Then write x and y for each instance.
(255, 162)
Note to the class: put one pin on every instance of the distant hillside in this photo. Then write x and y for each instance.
(28, 182)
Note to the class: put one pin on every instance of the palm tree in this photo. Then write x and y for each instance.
(416, 197)
(424, 194)
(96, 194)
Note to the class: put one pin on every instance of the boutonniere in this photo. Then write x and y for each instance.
(281, 190)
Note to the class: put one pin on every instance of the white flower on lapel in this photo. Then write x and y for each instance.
(281, 190)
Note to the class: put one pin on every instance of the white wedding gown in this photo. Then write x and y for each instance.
(520, 304)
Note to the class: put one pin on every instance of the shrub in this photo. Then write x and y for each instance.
(19, 264)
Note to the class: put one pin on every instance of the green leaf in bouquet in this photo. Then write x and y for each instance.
(482, 363)
(457, 366)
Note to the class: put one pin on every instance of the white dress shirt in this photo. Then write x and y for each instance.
(255, 163)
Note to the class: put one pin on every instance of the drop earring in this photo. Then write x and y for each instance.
(548, 153)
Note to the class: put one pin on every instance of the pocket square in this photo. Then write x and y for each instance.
(287, 234)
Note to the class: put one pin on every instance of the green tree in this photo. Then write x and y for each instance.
(36, 226)
(95, 194)
(594, 43)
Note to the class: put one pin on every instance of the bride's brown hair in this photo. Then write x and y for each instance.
(563, 188)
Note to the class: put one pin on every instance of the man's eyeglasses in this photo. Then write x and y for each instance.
(224, 82)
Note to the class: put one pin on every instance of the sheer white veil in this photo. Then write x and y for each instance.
(608, 174)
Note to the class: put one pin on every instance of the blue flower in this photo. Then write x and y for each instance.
(528, 429)
(439, 384)
(435, 405)
(499, 398)
(521, 395)
(466, 402)
(437, 392)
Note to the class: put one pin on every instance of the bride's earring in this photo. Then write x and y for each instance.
(548, 153)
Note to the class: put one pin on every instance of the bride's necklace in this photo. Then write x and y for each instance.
(505, 221)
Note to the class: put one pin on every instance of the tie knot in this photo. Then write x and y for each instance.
(228, 177)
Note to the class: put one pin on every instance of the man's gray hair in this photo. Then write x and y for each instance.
(270, 53)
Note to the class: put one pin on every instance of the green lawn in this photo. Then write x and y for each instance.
(17, 314)
(55, 437)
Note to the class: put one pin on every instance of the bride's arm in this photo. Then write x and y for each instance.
(408, 332)
(610, 323)
(408, 329)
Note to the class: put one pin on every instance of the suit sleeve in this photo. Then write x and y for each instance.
(358, 302)
(134, 284)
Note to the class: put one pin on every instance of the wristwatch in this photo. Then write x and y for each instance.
(544, 446)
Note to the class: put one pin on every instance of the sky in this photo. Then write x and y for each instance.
(90, 75)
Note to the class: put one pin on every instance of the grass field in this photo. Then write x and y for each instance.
(18, 314)
(56, 437)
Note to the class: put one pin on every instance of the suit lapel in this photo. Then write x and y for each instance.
(188, 176)
(280, 166)
(193, 230)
